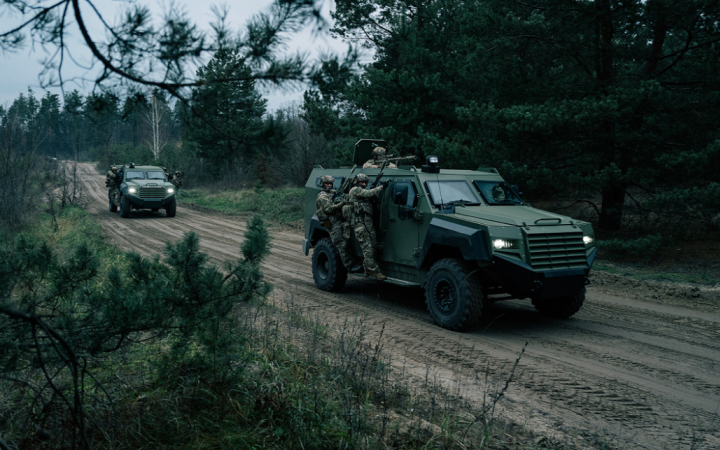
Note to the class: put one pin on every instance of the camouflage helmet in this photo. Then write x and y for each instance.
(164, 169)
(177, 172)
(378, 152)
(362, 178)
(113, 167)
(327, 179)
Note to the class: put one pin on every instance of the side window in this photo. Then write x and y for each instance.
(404, 193)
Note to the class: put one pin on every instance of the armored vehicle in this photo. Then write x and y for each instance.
(465, 236)
(145, 187)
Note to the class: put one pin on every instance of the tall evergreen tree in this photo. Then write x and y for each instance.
(74, 124)
(227, 115)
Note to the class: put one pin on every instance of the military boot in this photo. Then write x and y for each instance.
(378, 276)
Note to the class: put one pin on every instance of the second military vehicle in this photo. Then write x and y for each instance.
(145, 187)
(466, 236)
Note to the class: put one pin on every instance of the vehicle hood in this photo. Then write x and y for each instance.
(513, 215)
(150, 183)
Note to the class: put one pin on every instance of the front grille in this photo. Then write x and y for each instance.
(152, 192)
(552, 251)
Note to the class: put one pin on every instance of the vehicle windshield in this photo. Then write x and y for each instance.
(446, 192)
(134, 175)
(497, 193)
(155, 175)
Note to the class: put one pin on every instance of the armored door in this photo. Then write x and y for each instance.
(399, 223)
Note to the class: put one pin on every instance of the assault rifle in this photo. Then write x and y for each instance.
(399, 158)
(337, 197)
(380, 174)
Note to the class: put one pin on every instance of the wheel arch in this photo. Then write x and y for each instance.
(445, 239)
(315, 233)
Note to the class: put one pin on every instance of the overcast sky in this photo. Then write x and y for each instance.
(20, 70)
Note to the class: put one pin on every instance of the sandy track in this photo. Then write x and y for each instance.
(641, 374)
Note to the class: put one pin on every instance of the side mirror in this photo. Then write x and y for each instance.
(517, 190)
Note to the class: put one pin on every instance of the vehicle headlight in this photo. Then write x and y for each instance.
(588, 240)
(504, 244)
(132, 190)
(171, 190)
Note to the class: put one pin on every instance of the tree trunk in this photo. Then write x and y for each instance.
(613, 196)
(613, 199)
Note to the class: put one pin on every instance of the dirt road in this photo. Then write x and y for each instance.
(642, 374)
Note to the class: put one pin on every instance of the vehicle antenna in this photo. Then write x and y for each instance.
(437, 177)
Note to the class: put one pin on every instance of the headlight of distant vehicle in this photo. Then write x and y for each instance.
(588, 240)
(171, 190)
(504, 244)
(132, 190)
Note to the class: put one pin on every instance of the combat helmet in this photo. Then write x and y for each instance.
(325, 179)
(113, 167)
(378, 152)
(362, 178)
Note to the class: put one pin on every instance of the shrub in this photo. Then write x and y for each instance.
(637, 248)
(62, 316)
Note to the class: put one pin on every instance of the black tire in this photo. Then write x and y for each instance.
(453, 295)
(124, 207)
(329, 272)
(561, 308)
(112, 208)
(155, 209)
(171, 208)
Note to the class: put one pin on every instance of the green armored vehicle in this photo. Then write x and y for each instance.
(145, 187)
(465, 236)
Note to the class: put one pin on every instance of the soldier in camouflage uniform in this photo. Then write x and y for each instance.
(112, 180)
(177, 180)
(361, 221)
(377, 161)
(332, 212)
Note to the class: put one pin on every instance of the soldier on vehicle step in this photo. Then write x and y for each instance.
(339, 229)
(361, 219)
(177, 180)
(112, 180)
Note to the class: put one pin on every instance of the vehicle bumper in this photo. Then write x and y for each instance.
(139, 203)
(522, 281)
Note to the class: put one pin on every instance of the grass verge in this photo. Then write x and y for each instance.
(283, 205)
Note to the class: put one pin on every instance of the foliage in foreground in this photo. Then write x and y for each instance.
(65, 315)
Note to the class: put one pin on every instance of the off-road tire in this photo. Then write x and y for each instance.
(453, 295)
(124, 207)
(171, 208)
(155, 209)
(112, 208)
(561, 308)
(328, 270)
